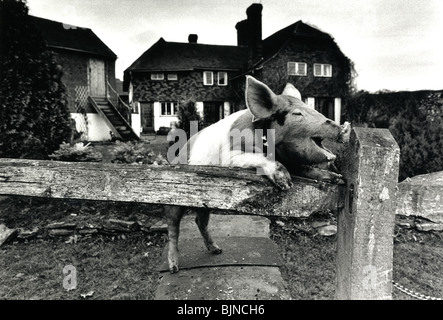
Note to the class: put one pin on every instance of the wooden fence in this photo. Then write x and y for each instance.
(366, 202)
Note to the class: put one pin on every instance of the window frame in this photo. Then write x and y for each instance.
(172, 77)
(170, 107)
(225, 78)
(323, 68)
(205, 78)
(295, 67)
(157, 76)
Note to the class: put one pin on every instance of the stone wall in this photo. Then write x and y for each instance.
(188, 86)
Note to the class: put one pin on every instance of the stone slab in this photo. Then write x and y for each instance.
(6, 233)
(224, 283)
(221, 225)
(422, 196)
(240, 251)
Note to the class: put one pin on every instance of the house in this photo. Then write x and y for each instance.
(171, 72)
(213, 75)
(89, 76)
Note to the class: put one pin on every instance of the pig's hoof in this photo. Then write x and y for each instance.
(337, 179)
(173, 269)
(213, 248)
(282, 178)
(216, 251)
(173, 262)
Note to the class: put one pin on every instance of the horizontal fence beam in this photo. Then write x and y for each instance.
(212, 187)
(192, 186)
(422, 196)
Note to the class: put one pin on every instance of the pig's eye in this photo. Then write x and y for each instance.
(297, 113)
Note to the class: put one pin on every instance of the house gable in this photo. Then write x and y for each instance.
(303, 44)
(63, 36)
(76, 48)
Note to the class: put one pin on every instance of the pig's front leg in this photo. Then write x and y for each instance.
(274, 170)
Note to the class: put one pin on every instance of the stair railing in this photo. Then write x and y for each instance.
(102, 114)
(119, 100)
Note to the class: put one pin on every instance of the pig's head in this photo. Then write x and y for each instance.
(299, 129)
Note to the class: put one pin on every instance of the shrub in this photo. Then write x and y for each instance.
(187, 112)
(418, 130)
(77, 153)
(131, 152)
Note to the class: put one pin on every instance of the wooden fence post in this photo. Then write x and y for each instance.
(366, 223)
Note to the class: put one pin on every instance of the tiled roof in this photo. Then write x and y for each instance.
(63, 36)
(299, 29)
(177, 56)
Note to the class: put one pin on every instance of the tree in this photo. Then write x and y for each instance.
(187, 112)
(34, 116)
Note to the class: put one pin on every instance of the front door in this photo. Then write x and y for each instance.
(325, 106)
(212, 112)
(97, 78)
(147, 117)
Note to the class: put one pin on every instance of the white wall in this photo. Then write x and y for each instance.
(337, 110)
(310, 101)
(226, 108)
(199, 107)
(162, 121)
(136, 123)
(97, 128)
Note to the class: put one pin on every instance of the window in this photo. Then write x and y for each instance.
(157, 76)
(297, 69)
(322, 70)
(208, 78)
(172, 76)
(222, 78)
(168, 108)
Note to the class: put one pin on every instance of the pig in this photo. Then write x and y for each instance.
(298, 131)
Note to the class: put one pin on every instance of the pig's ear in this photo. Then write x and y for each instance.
(290, 90)
(260, 100)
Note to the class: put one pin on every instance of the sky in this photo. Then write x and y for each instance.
(395, 44)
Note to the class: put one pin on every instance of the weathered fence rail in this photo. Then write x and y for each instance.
(366, 202)
(211, 187)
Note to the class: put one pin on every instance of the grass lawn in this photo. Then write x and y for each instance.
(124, 266)
(112, 266)
(111, 269)
(309, 261)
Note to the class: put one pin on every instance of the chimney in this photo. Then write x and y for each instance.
(254, 19)
(242, 33)
(192, 38)
(249, 31)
